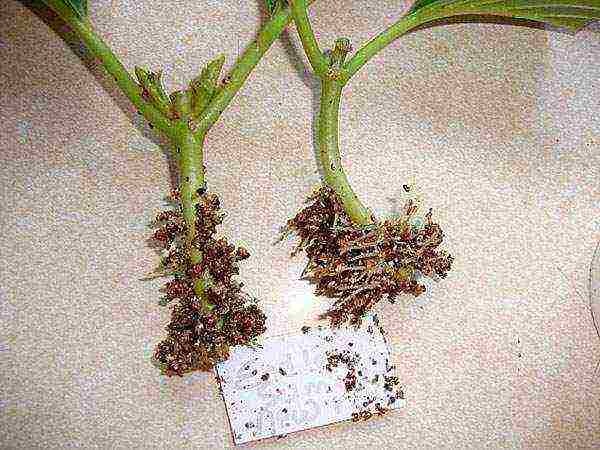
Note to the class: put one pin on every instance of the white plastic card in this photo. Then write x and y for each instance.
(318, 377)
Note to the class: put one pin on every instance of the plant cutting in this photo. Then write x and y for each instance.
(211, 312)
(354, 257)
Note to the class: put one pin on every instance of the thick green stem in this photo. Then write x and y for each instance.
(113, 66)
(188, 145)
(328, 70)
(329, 152)
(190, 155)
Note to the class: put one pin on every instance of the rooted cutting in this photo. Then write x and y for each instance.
(361, 265)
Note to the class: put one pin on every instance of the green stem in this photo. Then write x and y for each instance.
(113, 66)
(378, 43)
(328, 70)
(188, 145)
(318, 60)
(244, 65)
(190, 156)
(329, 152)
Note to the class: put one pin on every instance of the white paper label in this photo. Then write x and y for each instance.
(317, 377)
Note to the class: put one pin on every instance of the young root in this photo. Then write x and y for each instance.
(359, 266)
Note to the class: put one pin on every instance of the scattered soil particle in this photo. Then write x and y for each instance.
(393, 386)
(390, 383)
(362, 415)
(350, 360)
(265, 377)
(381, 411)
(350, 380)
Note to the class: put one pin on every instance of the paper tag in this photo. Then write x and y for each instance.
(317, 377)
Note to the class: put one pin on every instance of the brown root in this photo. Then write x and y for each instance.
(358, 266)
(202, 330)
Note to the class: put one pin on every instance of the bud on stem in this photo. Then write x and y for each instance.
(152, 85)
(181, 104)
(340, 51)
(204, 87)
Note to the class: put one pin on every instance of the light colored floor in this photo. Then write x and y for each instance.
(498, 126)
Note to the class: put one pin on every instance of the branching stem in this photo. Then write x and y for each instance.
(188, 145)
(579, 13)
(328, 70)
(244, 66)
(386, 37)
(318, 61)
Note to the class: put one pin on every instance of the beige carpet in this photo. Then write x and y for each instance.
(497, 126)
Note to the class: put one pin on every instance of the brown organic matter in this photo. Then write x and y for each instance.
(350, 360)
(360, 265)
(202, 330)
